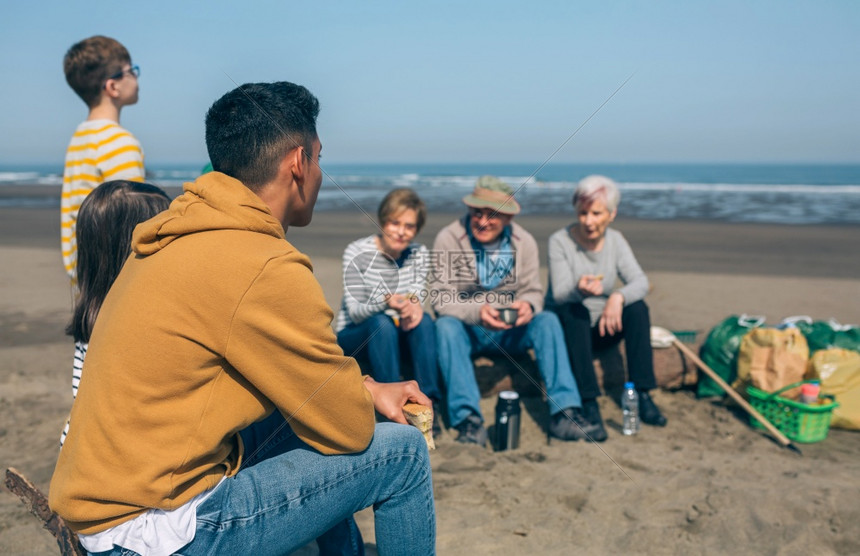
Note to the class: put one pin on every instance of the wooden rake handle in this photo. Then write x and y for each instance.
(735, 396)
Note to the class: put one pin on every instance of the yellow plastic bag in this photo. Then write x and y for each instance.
(770, 359)
(839, 373)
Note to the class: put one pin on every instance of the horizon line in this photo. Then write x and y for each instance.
(793, 162)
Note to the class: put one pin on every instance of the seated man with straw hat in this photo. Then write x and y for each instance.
(484, 262)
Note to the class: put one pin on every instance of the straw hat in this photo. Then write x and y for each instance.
(491, 192)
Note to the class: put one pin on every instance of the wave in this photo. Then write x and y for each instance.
(744, 188)
(665, 192)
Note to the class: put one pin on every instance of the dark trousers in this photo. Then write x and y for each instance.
(583, 340)
(378, 341)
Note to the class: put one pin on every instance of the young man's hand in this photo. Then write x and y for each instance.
(390, 397)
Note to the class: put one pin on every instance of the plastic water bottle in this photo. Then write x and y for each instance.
(630, 408)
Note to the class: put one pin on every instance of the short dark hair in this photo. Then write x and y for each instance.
(89, 63)
(399, 200)
(104, 227)
(250, 129)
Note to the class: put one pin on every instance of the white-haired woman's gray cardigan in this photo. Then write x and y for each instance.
(568, 262)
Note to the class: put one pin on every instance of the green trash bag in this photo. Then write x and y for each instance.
(829, 334)
(720, 352)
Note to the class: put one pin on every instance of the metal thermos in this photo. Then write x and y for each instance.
(507, 421)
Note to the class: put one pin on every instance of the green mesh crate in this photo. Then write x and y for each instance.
(798, 421)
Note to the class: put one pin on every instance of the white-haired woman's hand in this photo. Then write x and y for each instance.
(610, 320)
(590, 285)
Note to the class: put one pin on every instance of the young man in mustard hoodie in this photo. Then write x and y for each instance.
(217, 325)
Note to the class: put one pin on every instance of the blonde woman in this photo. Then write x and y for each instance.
(384, 278)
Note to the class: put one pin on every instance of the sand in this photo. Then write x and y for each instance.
(705, 484)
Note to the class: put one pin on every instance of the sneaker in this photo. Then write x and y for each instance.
(472, 431)
(591, 412)
(437, 419)
(649, 412)
(570, 424)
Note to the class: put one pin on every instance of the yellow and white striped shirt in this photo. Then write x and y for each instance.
(100, 151)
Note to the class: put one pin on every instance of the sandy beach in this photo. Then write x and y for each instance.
(705, 484)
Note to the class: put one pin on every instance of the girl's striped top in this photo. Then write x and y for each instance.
(77, 370)
(369, 276)
(100, 151)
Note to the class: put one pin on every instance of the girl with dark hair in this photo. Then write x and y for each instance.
(105, 224)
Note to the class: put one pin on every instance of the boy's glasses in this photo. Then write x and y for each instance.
(133, 70)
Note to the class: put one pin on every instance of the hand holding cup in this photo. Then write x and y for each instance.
(508, 315)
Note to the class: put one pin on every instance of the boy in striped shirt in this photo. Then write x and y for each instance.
(99, 70)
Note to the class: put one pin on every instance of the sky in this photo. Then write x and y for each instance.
(499, 81)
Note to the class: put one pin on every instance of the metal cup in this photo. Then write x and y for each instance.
(508, 315)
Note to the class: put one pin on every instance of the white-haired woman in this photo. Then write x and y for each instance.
(586, 260)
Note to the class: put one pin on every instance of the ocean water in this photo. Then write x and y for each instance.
(772, 193)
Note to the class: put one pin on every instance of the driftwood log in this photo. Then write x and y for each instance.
(37, 504)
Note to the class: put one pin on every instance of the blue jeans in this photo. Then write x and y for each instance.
(291, 494)
(280, 504)
(457, 342)
(272, 436)
(383, 350)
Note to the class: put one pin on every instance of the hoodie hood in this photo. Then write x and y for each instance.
(214, 201)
